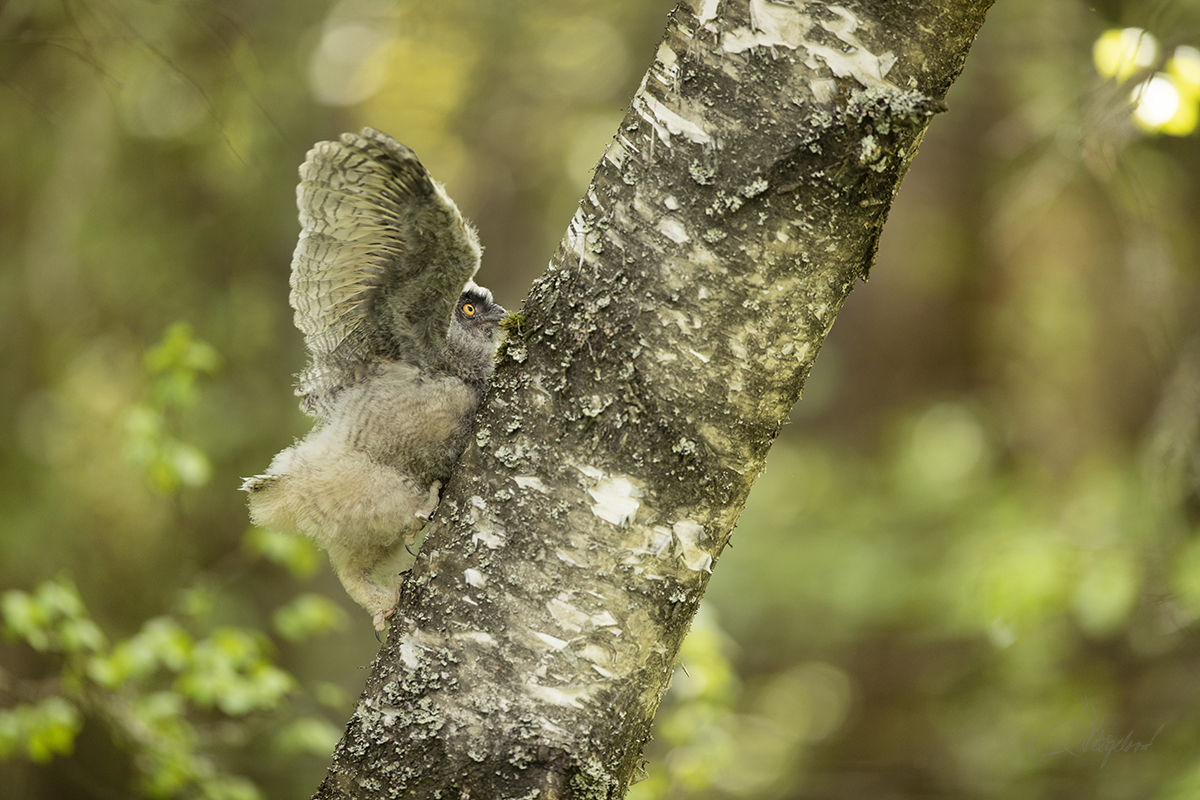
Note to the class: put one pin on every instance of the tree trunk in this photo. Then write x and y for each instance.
(741, 200)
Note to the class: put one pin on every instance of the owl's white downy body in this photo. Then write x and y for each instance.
(402, 344)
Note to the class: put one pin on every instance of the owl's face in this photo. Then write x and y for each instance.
(478, 314)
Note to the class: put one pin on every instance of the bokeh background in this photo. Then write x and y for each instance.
(971, 568)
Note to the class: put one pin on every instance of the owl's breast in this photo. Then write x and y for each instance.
(410, 419)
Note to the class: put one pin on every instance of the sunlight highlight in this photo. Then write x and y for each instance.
(1155, 101)
(1167, 101)
(1120, 53)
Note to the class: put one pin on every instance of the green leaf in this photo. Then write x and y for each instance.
(42, 731)
(60, 599)
(296, 554)
(180, 350)
(229, 671)
(197, 602)
(26, 619)
(308, 615)
(81, 635)
(160, 643)
(312, 735)
(52, 618)
(189, 464)
(230, 787)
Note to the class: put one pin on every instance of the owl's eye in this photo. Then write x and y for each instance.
(468, 309)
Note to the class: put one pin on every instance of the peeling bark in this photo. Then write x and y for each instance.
(741, 200)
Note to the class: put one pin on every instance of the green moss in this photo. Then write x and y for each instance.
(514, 326)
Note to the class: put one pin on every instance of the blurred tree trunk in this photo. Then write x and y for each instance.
(741, 200)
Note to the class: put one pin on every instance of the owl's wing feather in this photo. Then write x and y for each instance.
(383, 255)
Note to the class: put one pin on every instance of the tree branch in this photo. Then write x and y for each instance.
(661, 351)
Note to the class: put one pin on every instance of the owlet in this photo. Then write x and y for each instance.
(401, 344)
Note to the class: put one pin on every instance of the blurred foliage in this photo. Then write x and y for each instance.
(127, 688)
(971, 568)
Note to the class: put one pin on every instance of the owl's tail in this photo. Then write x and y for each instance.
(257, 483)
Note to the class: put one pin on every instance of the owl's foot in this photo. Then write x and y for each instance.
(425, 512)
(380, 621)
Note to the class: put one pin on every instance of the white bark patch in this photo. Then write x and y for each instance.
(667, 122)
(596, 654)
(483, 532)
(572, 696)
(644, 209)
(531, 483)
(475, 578)
(615, 500)
(775, 24)
(859, 63)
(615, 153)
(737, 346)
(770, 24)
(553, 641)
(408, 653)
(688, 533)
(477, 636)
(603, 620)
(822, 89)
(657, 540)
(669, 62)
(673, 229)
(568, 617)
(491, 539)
(708, 11)
(669, 316)
(575, 234)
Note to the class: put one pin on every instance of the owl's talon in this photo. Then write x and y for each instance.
(425, 513)
(380, 621)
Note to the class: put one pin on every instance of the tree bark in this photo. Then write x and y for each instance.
(741, 200)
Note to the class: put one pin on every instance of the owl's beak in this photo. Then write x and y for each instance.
(496, 314)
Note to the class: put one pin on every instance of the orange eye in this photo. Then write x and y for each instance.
(468, 309)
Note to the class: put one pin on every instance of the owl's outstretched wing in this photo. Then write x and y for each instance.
(382, 257)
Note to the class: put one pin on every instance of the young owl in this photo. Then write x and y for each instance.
(401, 344)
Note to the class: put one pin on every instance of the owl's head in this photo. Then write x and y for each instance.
(478, 314)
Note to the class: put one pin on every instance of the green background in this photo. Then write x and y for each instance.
(971, 567)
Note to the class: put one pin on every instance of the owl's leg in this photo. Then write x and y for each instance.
(369, 578)
(425, 512)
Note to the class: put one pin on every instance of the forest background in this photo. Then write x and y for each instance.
(971, 568)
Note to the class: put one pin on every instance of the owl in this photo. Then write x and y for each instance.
(401, 345)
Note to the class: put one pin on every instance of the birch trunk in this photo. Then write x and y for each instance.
(742, 198)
